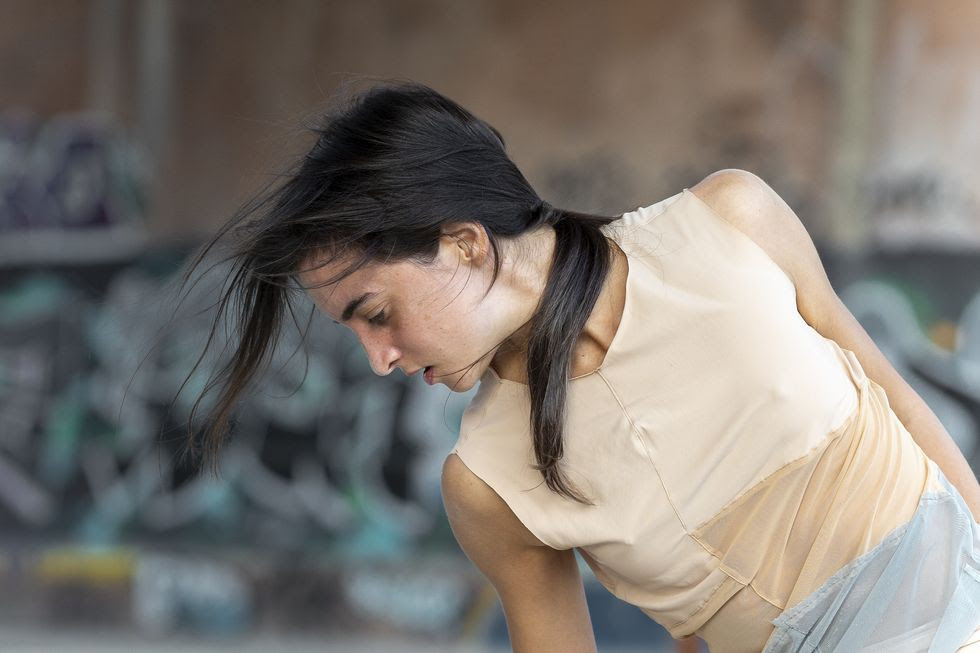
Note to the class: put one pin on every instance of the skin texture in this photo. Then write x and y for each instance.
(436, 314)
(440, 314)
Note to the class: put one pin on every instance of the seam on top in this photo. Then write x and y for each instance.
(636, 434)
(637, 215)
(772, 602)
(704, 602)
(785, 468)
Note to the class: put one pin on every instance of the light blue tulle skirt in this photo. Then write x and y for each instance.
(918, 590)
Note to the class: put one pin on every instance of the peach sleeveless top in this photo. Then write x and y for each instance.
(741, 464)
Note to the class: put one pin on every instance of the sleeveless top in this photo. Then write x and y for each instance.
(751, 484)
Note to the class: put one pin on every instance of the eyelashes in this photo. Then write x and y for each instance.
(378, 319)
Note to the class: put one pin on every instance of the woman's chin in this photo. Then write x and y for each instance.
(459, 382)
(463, 386)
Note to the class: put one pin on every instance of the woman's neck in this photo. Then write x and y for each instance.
(510, 361)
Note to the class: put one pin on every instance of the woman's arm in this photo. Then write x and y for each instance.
(916, 416)
(540, 588)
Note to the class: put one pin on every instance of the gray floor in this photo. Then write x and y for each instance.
(90, 641)
(16, 640)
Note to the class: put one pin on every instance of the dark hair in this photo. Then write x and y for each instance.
(391, 166)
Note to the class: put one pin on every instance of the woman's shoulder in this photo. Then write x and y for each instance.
(717, 188)
(471, 500)
(721, 193)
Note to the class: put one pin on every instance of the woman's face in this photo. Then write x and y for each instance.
(416, 316)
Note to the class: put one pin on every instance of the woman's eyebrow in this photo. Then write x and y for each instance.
(352, 306)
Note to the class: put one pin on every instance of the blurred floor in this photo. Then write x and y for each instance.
(14, 639)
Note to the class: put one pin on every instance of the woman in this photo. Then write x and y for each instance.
(676, 392)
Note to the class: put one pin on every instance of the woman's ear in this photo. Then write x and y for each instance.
(468, 240)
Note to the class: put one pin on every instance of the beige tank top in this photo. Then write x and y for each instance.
(736, 457)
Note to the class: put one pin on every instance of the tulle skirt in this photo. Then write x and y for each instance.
(917, 590)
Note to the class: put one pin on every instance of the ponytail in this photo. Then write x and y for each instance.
(579, 267)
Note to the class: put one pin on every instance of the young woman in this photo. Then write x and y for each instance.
(675, 392)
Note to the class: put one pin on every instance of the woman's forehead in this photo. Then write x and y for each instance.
(323, 280)
(322, 269)
(332, 298)
(333, 280)
(329, 292)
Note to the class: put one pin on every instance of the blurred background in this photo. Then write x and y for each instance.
(130, 130)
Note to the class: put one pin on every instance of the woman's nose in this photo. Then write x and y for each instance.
(381, 355)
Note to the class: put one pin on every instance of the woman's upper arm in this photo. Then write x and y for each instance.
(540, 588)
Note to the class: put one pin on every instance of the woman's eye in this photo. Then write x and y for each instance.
(378, 319)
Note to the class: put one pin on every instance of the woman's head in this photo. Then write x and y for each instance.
(450, 314)
(407, 195)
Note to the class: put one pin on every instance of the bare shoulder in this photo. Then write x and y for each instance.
(472, 504)
(746, 201)
(754, 208)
